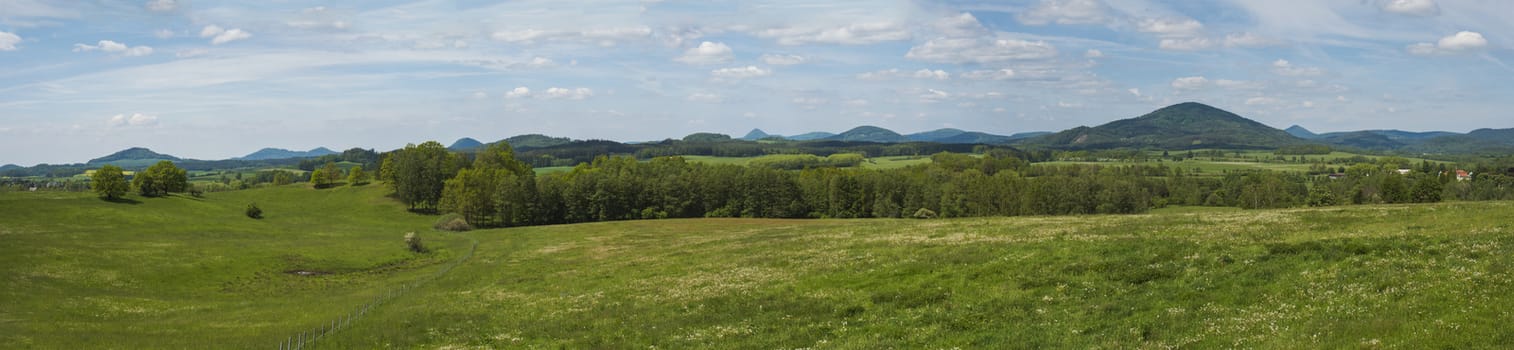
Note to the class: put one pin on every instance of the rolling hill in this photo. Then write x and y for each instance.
(1380, 140)
(280, 153)
(529, 141)
(811, 136)
(1477, 141)
(133, 154)
(868, 133)
(1185, 125)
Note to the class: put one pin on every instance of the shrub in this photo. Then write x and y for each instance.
(413, 241)
(253, 211)
(924, 214)
(452, 222)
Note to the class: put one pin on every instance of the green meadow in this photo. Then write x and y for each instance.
(184, 272)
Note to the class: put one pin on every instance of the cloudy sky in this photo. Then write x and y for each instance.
(217, 79)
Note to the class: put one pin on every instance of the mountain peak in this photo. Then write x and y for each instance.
(755, 134)
(465, 144)
(1300, 132)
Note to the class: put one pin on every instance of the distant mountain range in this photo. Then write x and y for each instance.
(1181, 126)
(868, 133)
(280, 153)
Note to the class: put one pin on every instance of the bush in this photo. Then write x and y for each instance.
(253, 211)
(925, 214)
(413, 241)
(452, 222)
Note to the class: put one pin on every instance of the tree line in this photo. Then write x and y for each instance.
(495, 188)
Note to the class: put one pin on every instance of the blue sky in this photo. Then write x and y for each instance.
(217, 79)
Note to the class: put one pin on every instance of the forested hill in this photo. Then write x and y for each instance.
(134, 153)
(280, 153)
(1185, 125)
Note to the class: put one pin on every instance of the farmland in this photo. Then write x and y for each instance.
(183, 272)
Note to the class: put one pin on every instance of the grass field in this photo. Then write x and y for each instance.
(179, 272)
(185, 273)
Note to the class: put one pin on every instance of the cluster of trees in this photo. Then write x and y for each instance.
(498, 189)
(157, 180)
(161, 179)
(802, 161)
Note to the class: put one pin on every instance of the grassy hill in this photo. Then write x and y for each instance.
(188, 273)
(1180, 126)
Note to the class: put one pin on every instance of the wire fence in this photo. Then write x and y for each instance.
(309, 337)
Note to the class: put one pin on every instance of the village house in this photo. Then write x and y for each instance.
(1463, 175)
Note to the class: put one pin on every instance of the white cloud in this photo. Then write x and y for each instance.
(1461, 42)
(519, 92)
(1238, 84)
(1170, 27)
(1189, 44)
(115, 47)
(1422, 8)
(1134, 91)
(856, 102)
(8, 41)
(975, 50)
(1263, 101)
(133, 120)
(1065, 12)
(856, 34)
(211, 30)
(541, 62)
(1000, 74)
(705, 97)
(896, 73)
(1190, 83)
(933, 95)
(782, 60)
(162, 5)
(313, 24)
(707, 53)
(163, 34)
(479, 95)
(741, 72)
(1092, 53)
(1248, 39)
(810, 101)
(931, 74)
(600, 36)
(962, 25)
(220, 35)
(1283, 67)
(569, 94)
(1422, 49)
